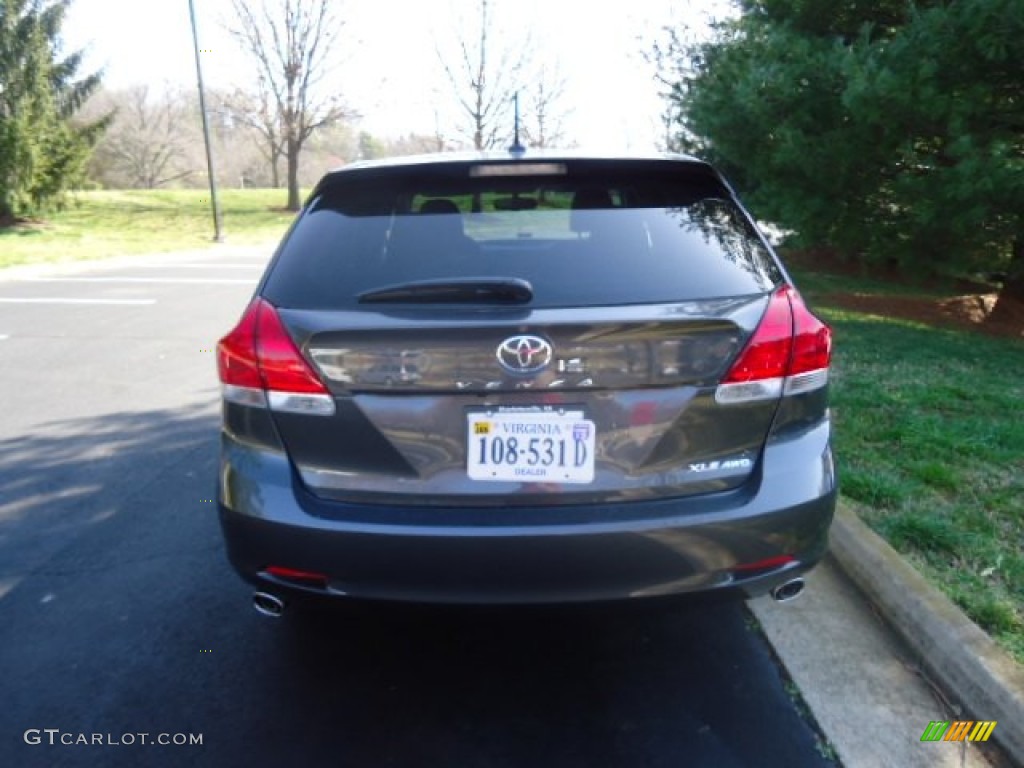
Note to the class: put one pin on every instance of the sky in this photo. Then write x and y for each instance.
(388, 69)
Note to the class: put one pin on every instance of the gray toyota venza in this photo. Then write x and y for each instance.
(525, 378)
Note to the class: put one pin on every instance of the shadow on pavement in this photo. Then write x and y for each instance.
(71, 475)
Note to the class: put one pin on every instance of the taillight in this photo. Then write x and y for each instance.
(236, 354)
(259, 365)
(789, 353)
(767, 354)
(812, 349)
(283, 368)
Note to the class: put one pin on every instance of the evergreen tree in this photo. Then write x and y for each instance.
(889, 130)
(43, 152)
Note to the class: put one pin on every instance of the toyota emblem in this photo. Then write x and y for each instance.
(524, 354)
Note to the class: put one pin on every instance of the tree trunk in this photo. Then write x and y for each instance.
(1009, 306)
(294, 203)
(275, 171)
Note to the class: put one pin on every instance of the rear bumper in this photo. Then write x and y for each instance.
(628, 550)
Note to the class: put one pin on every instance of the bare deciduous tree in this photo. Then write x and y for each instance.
(292, 43)
(256, 112)
(146, 144)
(484, 79)
(544, 116)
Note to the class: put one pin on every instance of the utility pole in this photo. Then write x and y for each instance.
(218, 235)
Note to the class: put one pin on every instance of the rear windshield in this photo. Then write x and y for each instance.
(597, 238)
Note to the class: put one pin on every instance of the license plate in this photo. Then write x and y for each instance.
(530, 446)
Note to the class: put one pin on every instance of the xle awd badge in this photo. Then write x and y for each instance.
(524, 354)
(711, 466)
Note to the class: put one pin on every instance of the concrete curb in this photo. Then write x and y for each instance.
(959, 655)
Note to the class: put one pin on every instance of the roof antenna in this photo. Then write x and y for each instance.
(517, 148)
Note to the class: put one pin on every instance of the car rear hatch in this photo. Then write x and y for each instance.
(511, 333)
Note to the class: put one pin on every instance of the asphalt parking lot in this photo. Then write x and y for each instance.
(121, 616)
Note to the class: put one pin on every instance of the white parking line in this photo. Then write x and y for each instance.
(202, 266)
(50, 300)
(168, 280)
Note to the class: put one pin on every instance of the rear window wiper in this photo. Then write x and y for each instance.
(454, 290)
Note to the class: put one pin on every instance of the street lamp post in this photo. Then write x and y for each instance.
(218, 235)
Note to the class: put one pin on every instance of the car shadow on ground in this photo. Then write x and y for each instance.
(668, 683)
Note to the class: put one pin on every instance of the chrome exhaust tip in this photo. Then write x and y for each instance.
(268, 604)
(788, 590)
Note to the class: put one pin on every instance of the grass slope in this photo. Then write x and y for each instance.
(115, 222)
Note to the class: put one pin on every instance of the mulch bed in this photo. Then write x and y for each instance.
(967, 312)
(970, 310)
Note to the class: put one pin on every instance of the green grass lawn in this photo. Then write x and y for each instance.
(930, 445)
(114, 222)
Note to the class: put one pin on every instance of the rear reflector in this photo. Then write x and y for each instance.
(768, 564)
(259, 365)
(788, 354)
(304, 578)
